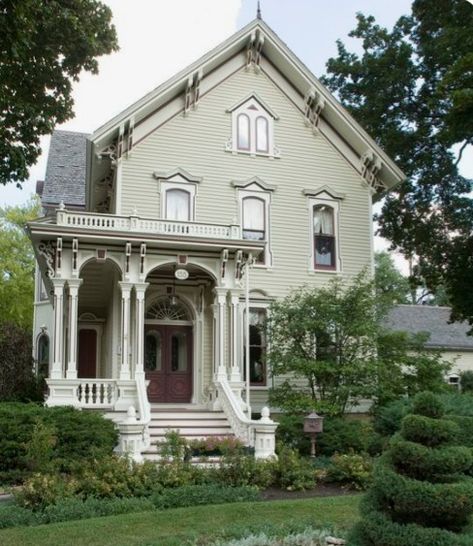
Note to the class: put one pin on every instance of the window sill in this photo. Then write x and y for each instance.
(313, 271)
(250, 153)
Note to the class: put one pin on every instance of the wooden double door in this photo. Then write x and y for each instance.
(168, 363)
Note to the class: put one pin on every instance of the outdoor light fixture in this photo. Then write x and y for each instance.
(313, 425)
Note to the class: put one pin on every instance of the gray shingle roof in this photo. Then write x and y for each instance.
(66, 169)
(432, 319)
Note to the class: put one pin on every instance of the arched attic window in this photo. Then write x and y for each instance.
(243, 132)
(262, 134)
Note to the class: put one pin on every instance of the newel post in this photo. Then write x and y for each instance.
(265, 436)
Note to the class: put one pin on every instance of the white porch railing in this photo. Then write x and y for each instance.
(259, 434)
(110, 222)
(97, 393)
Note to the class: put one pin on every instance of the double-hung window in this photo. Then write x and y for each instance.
(324, 211)
(258, 366)
(178, 205)
(324, 238)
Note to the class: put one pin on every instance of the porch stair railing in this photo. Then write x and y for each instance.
(259, 434)
(96, 393)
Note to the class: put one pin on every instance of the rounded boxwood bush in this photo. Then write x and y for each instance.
(421, 493)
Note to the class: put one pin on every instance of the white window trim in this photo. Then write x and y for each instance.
(178, 184)
(232, 145)
(255, 304)
(266, 197)
(324, 199)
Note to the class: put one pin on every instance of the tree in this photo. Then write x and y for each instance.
(44, 46)
(17, 265)
(325, 339)
(424, 68)
(330, 344)
(421, 491)
(391, 285)
(18, 381)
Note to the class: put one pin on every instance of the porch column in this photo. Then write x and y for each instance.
(125, 288)
(220, 297)
(58, 350)
(140, 289)
(73, 285)
(235, 372)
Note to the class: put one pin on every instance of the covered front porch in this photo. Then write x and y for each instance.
(142, 320)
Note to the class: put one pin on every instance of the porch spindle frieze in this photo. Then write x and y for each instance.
(73, 285)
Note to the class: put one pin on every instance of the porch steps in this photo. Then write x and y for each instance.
(192, 422)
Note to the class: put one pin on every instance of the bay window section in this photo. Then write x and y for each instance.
(324, 237)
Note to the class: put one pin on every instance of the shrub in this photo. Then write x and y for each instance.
(387, 419)
(80, 436)
(294, 473)
(351, 470)
(343, 435)
(174, 446)
(237, 469)
(216, 445)
(309, 536)
(193, 495)
(40, 490)
(39, 450)
(466, 381)
(420, 492)
(115, 476)
(290, 433)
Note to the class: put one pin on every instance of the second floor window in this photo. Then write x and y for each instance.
(324, 238)
(254, 219)
(178, 205)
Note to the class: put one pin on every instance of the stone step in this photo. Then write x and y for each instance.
(196, 422)
(184, 415)
(155, 431)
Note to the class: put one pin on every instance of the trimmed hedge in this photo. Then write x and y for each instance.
(78, 436)
(421, 493)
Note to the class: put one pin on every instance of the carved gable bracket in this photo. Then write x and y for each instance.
(314, 103)
(370, 168)
(192, 94)
(254, 49)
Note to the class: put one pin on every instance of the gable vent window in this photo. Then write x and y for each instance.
(324, 237)
(252, 129)
(178, 205)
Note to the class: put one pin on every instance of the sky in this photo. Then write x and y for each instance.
(158, 38)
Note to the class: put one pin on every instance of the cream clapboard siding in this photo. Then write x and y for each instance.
(196, 143)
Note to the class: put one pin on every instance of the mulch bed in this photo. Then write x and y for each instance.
(322, 490)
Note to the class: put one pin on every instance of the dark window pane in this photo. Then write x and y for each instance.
(325, 251)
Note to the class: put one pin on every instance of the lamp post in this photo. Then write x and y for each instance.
(313, 425)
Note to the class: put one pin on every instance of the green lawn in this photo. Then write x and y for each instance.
(177, 527)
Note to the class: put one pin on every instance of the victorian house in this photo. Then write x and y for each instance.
(169, 230)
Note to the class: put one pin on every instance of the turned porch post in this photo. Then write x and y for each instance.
(235, 372)
(125, 288)
(73, 285)
(220, 297)
(140, 289)
(58, 350)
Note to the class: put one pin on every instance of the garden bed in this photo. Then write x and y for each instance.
(321, 490)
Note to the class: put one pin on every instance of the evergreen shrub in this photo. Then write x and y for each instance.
(421, 494)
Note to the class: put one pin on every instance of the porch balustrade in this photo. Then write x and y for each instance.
(109, 222)
(96, 393)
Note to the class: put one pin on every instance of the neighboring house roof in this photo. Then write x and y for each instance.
(435, 321)
(66, 170)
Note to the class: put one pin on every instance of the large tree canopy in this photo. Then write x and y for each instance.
(43, 48)
(17, 265)
(412, 89)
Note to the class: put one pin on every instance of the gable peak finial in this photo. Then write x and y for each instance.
(258, 10)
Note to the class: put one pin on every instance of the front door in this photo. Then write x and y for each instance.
(168, 363)
(87, 365)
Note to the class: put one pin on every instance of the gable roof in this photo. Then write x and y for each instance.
(434, 320)
(290, 66)
(66, 170)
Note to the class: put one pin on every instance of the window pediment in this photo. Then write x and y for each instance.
(177, 175)
(253, 184)
(324, 192)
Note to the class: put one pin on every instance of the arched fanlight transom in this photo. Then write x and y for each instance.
(167, 308)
